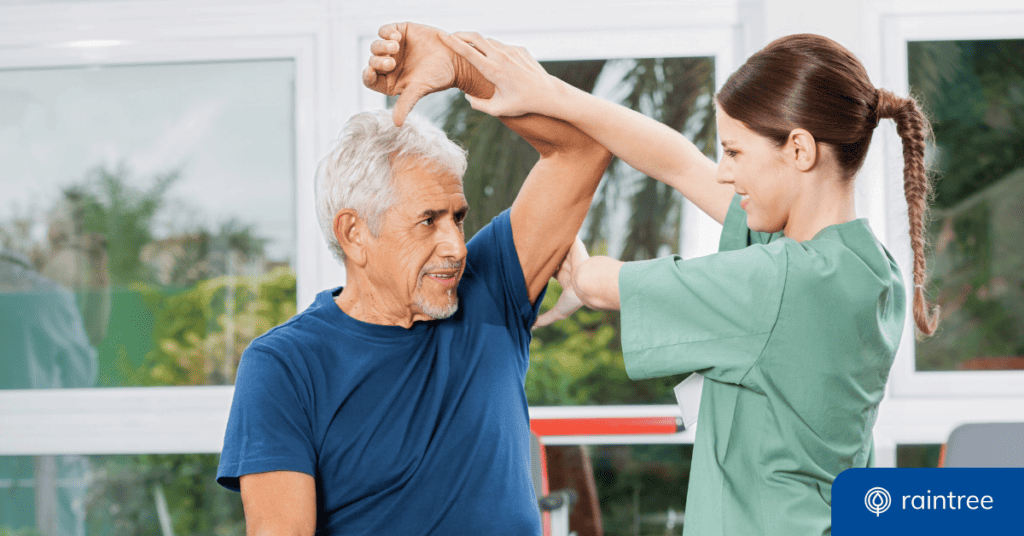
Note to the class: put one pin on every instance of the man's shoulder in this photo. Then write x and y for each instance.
(302, 332)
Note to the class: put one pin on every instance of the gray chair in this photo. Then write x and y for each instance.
(985, 445)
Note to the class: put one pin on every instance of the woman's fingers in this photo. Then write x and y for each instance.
(465, 49)
(481, 105)
(477, 41)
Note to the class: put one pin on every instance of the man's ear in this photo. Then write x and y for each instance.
(352, 235)
(801, 149)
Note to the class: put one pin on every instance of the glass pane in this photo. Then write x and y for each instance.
(147, 223)
(639, 489)
(116, 496)
(974, 93)
(918, 455)
(633, 217)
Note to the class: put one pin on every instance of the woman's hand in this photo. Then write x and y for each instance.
(568, 303)
(411, 60)
(521, 84)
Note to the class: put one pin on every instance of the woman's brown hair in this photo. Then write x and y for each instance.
(811, 82)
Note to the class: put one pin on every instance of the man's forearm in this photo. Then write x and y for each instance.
(550, 136)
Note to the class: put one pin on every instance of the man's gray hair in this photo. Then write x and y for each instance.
(357, 172)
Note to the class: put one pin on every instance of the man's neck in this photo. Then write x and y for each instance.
(359, 301)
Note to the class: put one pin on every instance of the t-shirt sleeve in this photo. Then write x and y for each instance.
(711, 315)
(269, 428)
(492, 251)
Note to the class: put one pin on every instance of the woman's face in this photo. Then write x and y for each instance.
(756, 168)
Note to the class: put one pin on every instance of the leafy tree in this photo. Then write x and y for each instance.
(123, 213)
(974, 94)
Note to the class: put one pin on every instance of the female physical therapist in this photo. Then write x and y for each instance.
(795, 322)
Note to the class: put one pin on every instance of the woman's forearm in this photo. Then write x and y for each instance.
(645, 144)
(597, 283)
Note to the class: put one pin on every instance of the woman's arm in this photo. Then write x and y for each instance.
(522, 86)
(597, 283)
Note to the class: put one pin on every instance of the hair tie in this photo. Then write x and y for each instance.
(887, 105)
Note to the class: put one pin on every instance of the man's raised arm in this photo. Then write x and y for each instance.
(550, 207)
(412, 60)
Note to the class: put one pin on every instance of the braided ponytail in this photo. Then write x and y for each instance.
(913, 128)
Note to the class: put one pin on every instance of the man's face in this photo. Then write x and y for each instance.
(418, 259)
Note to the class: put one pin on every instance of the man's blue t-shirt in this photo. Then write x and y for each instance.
(407, 431)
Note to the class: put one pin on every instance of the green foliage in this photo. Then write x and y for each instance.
(123, 500)
(974, 94)
(640, 482)
(196, 331)
(124, 214)
(200, 332)
(23, 531)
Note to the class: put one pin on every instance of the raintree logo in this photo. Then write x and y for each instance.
(877, 500)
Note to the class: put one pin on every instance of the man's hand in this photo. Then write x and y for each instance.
(411, 60)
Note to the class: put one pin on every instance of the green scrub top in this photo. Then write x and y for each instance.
(795, 340)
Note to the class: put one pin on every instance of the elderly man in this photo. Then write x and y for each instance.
(395, 405)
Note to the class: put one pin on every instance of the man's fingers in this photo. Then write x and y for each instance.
(390, 31)
(405, 103)
(369, 77)
(382, 64)
(383, 47)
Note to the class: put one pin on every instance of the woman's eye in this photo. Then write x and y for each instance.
(730, 153)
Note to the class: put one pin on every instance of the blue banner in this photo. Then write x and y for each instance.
(936, 502)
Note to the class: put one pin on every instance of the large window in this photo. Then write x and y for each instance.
(161, 197)
(138, 495)
(149, 229)
(974, 91)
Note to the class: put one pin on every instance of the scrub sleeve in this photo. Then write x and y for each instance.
(711, 315)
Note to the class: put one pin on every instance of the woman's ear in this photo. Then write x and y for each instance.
(352, 235)
(801, 149)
